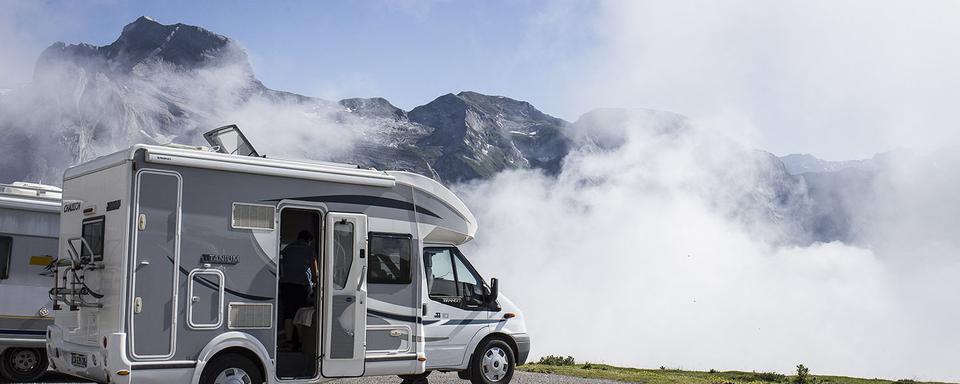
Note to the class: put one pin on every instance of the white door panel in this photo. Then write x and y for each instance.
(344, 295)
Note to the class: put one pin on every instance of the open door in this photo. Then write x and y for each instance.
(344, 295)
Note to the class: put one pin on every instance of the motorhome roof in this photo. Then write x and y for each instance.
(30, 196)
(199, 157)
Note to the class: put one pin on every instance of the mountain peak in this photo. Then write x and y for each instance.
(178, 44)
(484, 134)
(145, 41)
(480, 98)
(376, 106)
(141, 22)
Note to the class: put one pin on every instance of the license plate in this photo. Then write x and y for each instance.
(78, 360)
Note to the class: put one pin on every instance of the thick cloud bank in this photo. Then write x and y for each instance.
(637, 254)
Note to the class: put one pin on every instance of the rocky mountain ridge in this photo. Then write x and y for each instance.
(799, 163)
(167, 83)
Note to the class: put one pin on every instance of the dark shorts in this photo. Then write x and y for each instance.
(292, 298)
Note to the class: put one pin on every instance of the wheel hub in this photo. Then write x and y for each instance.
(233, 376)
(25, 360)
(495, 364)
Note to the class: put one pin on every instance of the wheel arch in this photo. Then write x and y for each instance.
(499, 336)
(235, 343)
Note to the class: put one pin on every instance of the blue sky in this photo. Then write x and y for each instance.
(408, 52)
(836, 79)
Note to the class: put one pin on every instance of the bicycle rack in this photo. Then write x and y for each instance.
(74, 291)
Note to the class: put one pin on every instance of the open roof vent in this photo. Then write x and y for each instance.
(228, 139)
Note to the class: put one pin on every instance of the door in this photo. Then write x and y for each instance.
(205, 299)
(298, 320)
(344, 295)
(153, 306)
(456, 310)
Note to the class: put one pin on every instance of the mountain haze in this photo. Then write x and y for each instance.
(90, 100)
(170, 83)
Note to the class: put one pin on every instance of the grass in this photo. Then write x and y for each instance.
(676, 376)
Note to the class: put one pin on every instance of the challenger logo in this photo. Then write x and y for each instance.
(71, 206)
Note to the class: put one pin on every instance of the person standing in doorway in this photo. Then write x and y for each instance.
(298, 263)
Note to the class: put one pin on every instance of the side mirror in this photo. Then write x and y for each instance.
(494, 290)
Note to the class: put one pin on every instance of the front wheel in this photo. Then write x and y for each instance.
(231, 369)
(23, 364)
(492, 363)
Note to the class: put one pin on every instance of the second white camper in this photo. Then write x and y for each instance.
(29, 223)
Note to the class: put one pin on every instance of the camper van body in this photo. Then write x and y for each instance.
(181, 250)
(29, 223)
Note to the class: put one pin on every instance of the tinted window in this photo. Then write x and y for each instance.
(441, 280)
(6, 247)
(342, 252)
(471, 286)
(389, 261)
(93, 235)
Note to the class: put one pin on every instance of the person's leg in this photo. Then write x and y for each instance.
(290, 306)
(301, 302)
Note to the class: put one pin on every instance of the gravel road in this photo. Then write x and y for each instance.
(435, 378)
(451, 378)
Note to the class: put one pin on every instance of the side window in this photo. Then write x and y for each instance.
(6, 247)
(342, 252)
(389, 261)
(93, 234)
(471, 286)
(441, 280)
(451, 280)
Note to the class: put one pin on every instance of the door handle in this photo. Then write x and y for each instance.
(195, 299)
(137, 304)
(363, 277)
(144, 262)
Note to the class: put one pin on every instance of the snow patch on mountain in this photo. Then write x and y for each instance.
(802, 163)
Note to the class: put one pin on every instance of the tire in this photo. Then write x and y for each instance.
(23, 364)
(415, 379)
(492, 363)
(231, 369)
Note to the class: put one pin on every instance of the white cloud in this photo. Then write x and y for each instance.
(841, 79)
(631, 256)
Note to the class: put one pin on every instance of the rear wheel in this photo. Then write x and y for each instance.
(231, 369)
(492, 363)
(23, 364)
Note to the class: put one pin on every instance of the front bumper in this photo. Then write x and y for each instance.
(523, 347)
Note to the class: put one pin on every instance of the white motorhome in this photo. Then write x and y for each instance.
(28, 240)
(217, 265)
